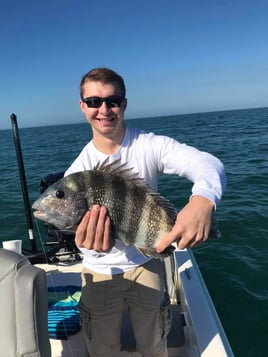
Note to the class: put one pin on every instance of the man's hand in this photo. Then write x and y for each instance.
(94, 231)
(192, 225)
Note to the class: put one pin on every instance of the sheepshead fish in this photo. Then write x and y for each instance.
(139, 216)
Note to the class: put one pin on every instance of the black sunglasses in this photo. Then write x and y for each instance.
(113, 101)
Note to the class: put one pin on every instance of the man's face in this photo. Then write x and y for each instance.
(106, 118)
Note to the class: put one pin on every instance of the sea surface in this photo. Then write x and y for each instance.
(235, 267)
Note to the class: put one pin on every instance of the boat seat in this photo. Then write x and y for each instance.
(23, 308)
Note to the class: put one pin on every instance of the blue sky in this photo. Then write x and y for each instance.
(178, 56)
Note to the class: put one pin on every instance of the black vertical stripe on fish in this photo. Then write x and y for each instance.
(98, 188)
(119, 194)
(138, 202)
(153, 223)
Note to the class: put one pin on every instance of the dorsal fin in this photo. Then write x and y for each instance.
(115, 167)
(126, 173)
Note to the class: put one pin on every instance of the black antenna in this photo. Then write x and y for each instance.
(24, 188)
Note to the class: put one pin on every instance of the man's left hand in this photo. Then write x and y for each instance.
(192, 225)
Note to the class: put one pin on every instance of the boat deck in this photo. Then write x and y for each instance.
(196, 329)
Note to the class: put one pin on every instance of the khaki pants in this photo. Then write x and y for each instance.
(101, 308)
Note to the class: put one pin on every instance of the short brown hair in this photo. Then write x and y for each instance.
(105, 76)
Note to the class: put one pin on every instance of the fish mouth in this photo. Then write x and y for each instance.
(36, 210)
(43, 216)
(39, 214)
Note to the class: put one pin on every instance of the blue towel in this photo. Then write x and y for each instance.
(63, 313)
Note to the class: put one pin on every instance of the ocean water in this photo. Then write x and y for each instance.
(235, 268)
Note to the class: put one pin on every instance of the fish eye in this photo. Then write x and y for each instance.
(60, 194)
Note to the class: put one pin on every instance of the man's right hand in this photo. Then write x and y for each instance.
(94, 231)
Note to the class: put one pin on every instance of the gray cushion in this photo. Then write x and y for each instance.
(23, 308)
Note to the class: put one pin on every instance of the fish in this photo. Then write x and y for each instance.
(139, 216)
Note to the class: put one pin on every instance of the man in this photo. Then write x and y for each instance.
(114, 273)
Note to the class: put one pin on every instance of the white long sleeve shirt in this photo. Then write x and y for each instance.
(149, 155)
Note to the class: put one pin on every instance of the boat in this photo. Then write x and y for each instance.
(196, 329)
